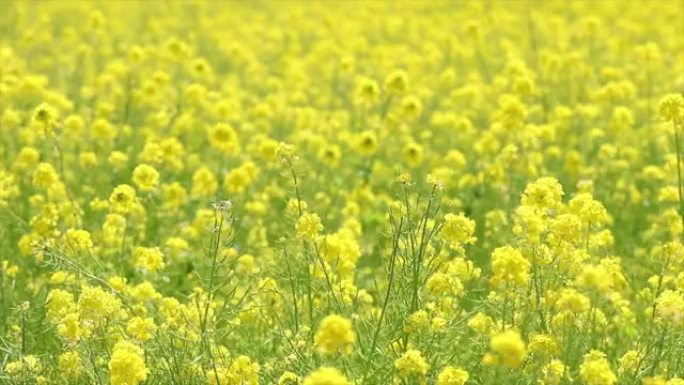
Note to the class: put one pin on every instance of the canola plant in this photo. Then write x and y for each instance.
(342, 193)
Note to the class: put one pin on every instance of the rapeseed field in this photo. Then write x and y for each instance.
(341, 192)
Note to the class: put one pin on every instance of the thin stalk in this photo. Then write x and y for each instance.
(294, 293)
(680, 186)
(537, 292)
(218, 226)
(385, 302)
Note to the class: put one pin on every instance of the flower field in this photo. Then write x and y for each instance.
(342, 192)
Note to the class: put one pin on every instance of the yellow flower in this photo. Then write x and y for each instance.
(73, 125)
(59, 302)
(553, 372)
(657, 380)
(70, 327)
(397, 82)
(511, 113)
(69, 364)
(418, 320)
(326, 376)
(335, 335)
(411, 364)
(117, 283)
(145, 177)
(289, 378)
(175, 195)
(671, 108)
(544, 345)
(456, 160)
(458, 229)
(204, 183)
(481, 323)
(589, 210)
(79, 240)
(452, 376)
(545, 193)
(28, 364)
(244, 372)
(102, 129)
(127, 364)
(26, 159)
(412, 153)
(8, 187)
(141, 329)
(87, 159)
(595, 369)
(566, 228)
(629, 361)
(285, 152)
(95, 304)
(670, 307)
(509, 267)
(594, 277)
(509, 349)
(122, 199)
(573, 301)
(10, 118)
(367, 91)
(45, 175)
(308, 226)
(148, 258)
(411, 107)
(45, 115)
(367, 143)
(331, 155)
(222, 137)
(239, 178)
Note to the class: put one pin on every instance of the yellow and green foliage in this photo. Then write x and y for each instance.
(341, 193)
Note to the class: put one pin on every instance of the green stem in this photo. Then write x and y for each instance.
(680, 186)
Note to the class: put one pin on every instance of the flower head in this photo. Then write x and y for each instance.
(308, 226)
(335, 334)
(326, 376)
(127, 364)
